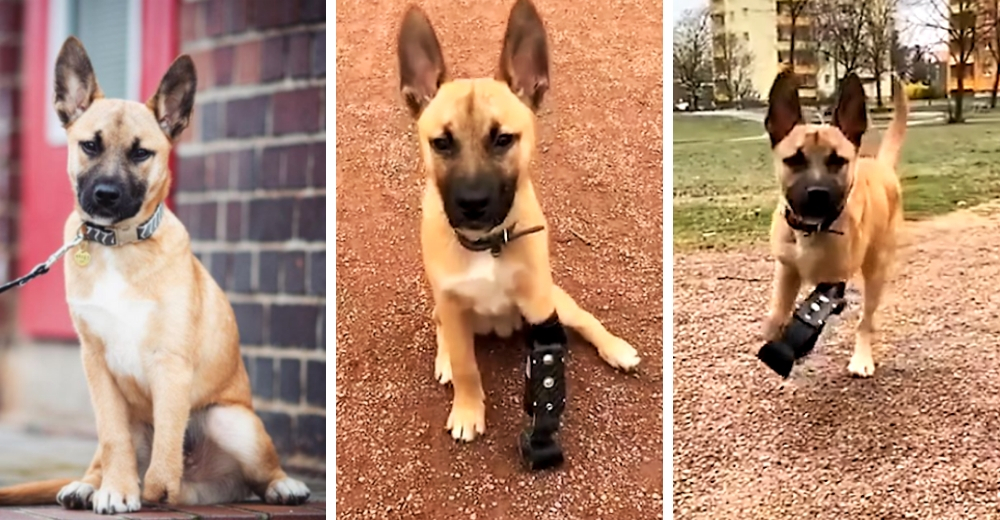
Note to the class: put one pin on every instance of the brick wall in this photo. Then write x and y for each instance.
(251, 187)
(10, 79)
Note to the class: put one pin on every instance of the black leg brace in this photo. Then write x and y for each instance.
(807, 323)
(544, 393)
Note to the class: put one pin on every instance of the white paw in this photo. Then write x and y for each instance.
(467, 421)
(442, 368)
(620, 355)
(286, 491)
(76, 495)
(861, 366)
(110, 502)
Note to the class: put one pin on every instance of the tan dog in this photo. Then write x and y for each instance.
(839, 212)
(159, 341)
(477, 138)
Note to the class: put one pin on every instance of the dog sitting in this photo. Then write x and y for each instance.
(160, 346)
(839, 212)
(484, 239)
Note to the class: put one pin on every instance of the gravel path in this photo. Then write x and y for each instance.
(918, 440)
(599, 177)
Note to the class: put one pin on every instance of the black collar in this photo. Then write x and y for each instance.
(119, 236)
(495, 242)
(796, 223)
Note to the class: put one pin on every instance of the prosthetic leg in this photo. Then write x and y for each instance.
(807, 323)
(544, 393)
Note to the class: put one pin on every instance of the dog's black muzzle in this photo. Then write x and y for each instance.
(478, 202)
(114, 198)
(817, 201)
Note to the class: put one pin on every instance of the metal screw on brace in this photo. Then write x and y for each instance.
(548, 359)
(548, 382)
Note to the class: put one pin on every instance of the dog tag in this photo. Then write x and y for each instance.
(82, 257)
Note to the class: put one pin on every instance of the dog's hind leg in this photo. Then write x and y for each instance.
(614, 350)
(240, 433)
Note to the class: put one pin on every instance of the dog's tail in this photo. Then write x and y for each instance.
(32, 493)
(892, 141)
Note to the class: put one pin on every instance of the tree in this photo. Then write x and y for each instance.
(962, 25)
(692, 52)
(840, 27)
(991, 38)
(899, 58)
(733, 67)
(795, 9)
(880, 31)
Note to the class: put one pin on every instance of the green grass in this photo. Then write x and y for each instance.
(725, 192)
(691, 128)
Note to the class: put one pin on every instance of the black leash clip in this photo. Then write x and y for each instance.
(807, 323)
(544, 396)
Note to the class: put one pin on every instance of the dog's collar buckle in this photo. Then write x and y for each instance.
(123, 235)
(496, 242)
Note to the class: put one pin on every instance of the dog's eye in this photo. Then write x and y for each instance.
(443, 144)
(796, 161)
(503, 141)
(141, 154)
(835, 161)
(89, 147)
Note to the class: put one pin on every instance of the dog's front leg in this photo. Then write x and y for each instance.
(787, 282)
(170, 386)
(468, 410)
(119, 479)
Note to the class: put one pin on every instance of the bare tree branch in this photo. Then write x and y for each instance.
(692, 52)
(733, 67)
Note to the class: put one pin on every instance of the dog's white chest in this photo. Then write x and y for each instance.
(488, 283)
(115, 316)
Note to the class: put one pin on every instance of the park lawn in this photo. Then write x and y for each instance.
(725, 192)
(698, 128)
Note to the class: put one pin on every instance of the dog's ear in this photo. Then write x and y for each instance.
(75, 83)
(524, 60)
(174, 98)
(421, 63)
(784, 110)
(850, 115)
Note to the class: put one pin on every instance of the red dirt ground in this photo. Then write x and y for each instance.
(599, 175)
(917, 440)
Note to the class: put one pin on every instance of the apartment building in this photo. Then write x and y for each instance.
(980, 68)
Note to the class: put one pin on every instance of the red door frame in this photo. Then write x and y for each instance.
(46, 197)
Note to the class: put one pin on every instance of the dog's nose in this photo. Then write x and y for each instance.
(473, 203)
(819, 197)
(107, 194)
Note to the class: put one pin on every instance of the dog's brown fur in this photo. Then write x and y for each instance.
(473, 292)
(159, 341)
(868, 223)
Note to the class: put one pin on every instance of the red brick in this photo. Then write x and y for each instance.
(246, 117)
(223, 58)
(273, 58)
(204, 68)
(276, 14)
(271, 219)
(247, 64)
(214, 17)
(9, 104)
(10, 59)
(297, 111)
(298, 55)
(218, 513)
(217, 171)
(10, 17)
(192, 25)
(237, 20)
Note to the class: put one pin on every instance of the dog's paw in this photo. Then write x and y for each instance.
(76, 495)
(467, 420)
(286, 491)
(160, 488)
(620, 354)
(442, 368)
(108, 501)
(861, 366)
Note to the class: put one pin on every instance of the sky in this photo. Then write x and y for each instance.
(920, 36)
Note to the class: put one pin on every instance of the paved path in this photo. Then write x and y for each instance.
(29, 456)
(917, 440)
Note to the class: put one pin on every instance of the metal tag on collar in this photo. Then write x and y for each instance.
(500, 244)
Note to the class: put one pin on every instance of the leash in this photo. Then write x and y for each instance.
(43, 267)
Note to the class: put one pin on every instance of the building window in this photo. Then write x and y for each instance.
(110, 31)
(826, 79)
(746, 36)
(746, 12)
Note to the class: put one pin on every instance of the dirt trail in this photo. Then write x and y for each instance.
(599, 176)
(918, 440)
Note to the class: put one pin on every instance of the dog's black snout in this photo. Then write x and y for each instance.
(107, 194)
(473, 201)
(818, 197)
